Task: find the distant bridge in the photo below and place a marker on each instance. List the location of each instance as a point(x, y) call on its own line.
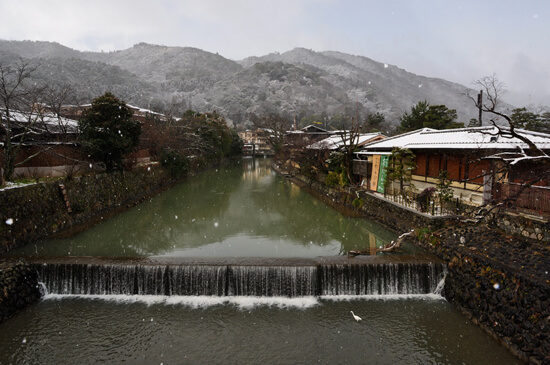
point(250, 149)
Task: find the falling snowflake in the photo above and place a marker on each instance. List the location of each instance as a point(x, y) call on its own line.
point(9, 221)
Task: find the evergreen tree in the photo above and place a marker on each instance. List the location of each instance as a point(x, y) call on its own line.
point(109, 132)
point(522, 118)
point(424, 115)
point(373, 123)
point(400, 167)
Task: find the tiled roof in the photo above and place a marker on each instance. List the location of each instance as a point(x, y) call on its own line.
point(333, 142)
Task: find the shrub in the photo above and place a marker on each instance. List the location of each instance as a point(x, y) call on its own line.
point(344, 180)
point(332, 179)
point(357, 203)
point(423, 199)
point(174, 162)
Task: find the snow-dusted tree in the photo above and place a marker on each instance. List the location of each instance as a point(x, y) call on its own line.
point(17, 115)
point(424, 115)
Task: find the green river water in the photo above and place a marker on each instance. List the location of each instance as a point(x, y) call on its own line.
point(243, 210)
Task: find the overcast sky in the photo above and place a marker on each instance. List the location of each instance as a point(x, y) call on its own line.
point(457, 40)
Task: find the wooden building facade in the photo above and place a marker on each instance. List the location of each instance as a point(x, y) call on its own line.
point(467, 156)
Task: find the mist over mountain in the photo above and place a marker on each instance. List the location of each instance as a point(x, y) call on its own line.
point(299, 82)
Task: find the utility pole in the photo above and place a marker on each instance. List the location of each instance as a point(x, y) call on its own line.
point(479, 105)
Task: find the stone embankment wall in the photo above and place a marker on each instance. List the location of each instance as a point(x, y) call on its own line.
point(41, 210)
point(501, 282)
point(394, 217)
point(19, 284)
point(533, 227)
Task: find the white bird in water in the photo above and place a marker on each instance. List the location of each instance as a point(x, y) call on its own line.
point(357, 318)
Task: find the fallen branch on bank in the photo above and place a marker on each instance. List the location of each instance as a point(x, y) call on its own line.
point(390, 247)
point(395, 245)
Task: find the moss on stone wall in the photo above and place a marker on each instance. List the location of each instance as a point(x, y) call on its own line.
point(38, 211)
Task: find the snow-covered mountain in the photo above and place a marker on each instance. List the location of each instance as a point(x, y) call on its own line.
point(298, 82)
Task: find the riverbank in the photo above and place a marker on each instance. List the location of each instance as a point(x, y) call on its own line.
point(501, 282)
point(392, 216)
point(56, 208)
point(37, 211)
point(498, 280)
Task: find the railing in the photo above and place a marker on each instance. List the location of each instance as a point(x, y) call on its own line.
point(432, 206)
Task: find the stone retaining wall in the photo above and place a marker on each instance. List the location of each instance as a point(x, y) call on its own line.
point(394, 217)
point(504, 293)
point(37, 211)
point(19, 284)
point(533, 227)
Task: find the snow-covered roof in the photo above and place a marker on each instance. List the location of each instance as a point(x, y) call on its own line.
point(310, 129)
point(144, 111)
point(463, 138)
point(337, 141)
point(45, 122)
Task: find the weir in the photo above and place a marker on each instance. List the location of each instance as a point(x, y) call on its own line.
point(327, 276)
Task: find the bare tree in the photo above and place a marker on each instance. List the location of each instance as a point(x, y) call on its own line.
point(54, 99)
point(350, 141)
point(275, 126)
point(17, 99)
point(493, 91)
point(533, 162)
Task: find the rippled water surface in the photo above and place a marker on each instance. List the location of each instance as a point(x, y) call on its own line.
point(214, 330)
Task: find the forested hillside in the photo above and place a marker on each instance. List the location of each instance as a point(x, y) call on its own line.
point(313, 86)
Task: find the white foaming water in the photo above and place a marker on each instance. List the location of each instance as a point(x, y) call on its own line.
point(384, 297)
point(199, 302)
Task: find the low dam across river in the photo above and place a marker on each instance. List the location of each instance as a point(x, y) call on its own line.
point(378, 275)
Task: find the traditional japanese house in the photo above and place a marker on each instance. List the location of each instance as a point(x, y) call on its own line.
point(342, 139)
point(471, 157)
point(306, 135)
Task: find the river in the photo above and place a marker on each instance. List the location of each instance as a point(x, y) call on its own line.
point(239, 212)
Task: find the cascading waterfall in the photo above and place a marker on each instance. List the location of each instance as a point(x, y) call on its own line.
point(242, 280)
point(380, 279)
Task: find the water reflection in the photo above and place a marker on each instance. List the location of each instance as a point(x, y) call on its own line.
point(240, 210)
